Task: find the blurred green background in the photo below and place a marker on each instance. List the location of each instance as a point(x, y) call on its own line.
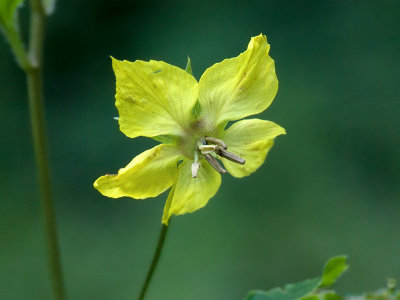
point(331, 186)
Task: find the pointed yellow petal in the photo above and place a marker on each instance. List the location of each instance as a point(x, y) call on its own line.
point(251, 140)
point(192, 193)
point(147, 175)
point(240, 86)
point(153, 98)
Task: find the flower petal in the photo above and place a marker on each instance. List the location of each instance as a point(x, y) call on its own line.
point(190, 193)
point(147, 175)
point(251, 140)
point(240, 86)
point(153, 98)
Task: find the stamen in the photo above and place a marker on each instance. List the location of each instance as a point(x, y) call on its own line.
point(214, 163)
point(216, 141)
point(205, 149)
point(230, 156)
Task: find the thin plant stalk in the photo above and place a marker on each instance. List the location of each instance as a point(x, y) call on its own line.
point(34, 78)
point(36, 107)
point(31, 63)
point(154, 262)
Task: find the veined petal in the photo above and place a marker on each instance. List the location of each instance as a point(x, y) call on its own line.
point(251, 140)
point(190, 193)
point(240, 86)
point(153, 98)
point(147, 175)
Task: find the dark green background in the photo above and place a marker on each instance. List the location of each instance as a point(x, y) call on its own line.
point(331, 186)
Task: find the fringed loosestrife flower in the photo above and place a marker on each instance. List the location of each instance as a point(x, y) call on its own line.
point(163, 102)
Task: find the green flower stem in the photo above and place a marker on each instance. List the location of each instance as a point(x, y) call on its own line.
point(36, 107)
point(154, 262)
point(39, 140)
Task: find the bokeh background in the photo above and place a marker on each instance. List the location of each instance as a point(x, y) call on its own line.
point(331, 186)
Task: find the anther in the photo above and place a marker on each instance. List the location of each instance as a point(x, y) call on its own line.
point(205, 149)
point(214, 163)
point(216, 141)
point(230, 156)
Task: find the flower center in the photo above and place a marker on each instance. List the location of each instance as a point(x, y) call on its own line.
point(211, 148)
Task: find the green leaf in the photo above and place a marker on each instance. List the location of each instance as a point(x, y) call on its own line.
point(334, 268)
point(306, 289)
point(189, 66)
point(391, 284)
point(323, 295)
point(300, 289)
point(312, 297)
point(8, 13)
point(332, 296)
point(290, 292)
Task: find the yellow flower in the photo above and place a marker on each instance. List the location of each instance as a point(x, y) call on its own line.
point(166, 103)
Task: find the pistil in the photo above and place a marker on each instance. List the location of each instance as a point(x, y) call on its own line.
point(195, 165)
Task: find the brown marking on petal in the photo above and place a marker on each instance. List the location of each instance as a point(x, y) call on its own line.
point(130, 99)
point(198, 124)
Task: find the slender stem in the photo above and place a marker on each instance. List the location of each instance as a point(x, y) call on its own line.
point(154, 262)
point(31, 63)
point(39, 141)
point(35, 95)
